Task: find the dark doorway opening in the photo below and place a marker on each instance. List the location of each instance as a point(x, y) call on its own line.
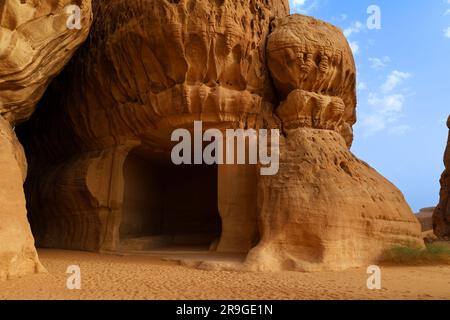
point(168, 206)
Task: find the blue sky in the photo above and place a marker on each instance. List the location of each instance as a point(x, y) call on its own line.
point(403, 87)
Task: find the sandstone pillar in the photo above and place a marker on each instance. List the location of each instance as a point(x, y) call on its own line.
point(17, 253)
point(237, 207)
point(441, 216)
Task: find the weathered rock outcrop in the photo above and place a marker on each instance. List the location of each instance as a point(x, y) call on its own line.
point(315, 76)
point(325, 208)
point(425, 217)
point(150, 67)
point(35, 44)
point(17, 253)
point(441, 216)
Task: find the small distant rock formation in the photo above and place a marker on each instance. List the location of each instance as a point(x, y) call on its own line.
point(425, 217)
point(35, 44)
point(441, 217)
point(98, 146)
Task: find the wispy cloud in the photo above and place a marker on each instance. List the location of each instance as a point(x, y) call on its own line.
point(303, 6)
point(447, 32)
point(354, 46)
point(355, 27)
point(379, 63)
point(386, 107)
point(393, 80)
point(360, 86)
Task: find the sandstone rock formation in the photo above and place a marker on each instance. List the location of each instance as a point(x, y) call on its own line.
point(100, 174)
point(325, 208)
point(441, 216)
point(148, 68)
point(425, 217)
point(314, 73)
point(35, 44)
point(17, 253)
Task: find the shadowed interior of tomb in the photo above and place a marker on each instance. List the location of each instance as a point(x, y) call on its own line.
point(166, 205)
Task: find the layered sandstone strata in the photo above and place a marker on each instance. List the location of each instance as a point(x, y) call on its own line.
point(441, 216)
point(150, 67)
point(35, 44)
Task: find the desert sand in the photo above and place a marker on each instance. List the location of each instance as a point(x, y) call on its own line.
point(150, 277)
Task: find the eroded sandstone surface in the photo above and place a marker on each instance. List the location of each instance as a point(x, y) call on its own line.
point(148, 68)
point(17, 253)
point(98, 146)
point(441, 216)
point(153, 66)
point(325, 208)
point(35, 44)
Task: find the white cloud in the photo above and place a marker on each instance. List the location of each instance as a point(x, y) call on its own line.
point(360, 86)
point(354, 46)
point(393, 80)
point(447, 12)
point(355, 27)
point(384, 115)
point(447, 33)
point(371, 124)
point(386, 107)
point(303, 6)
point(297, 3)
point(379, 63)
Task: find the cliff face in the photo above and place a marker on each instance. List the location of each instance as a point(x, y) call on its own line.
point(441, 216)
point(100, 175)
point(35, 44)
